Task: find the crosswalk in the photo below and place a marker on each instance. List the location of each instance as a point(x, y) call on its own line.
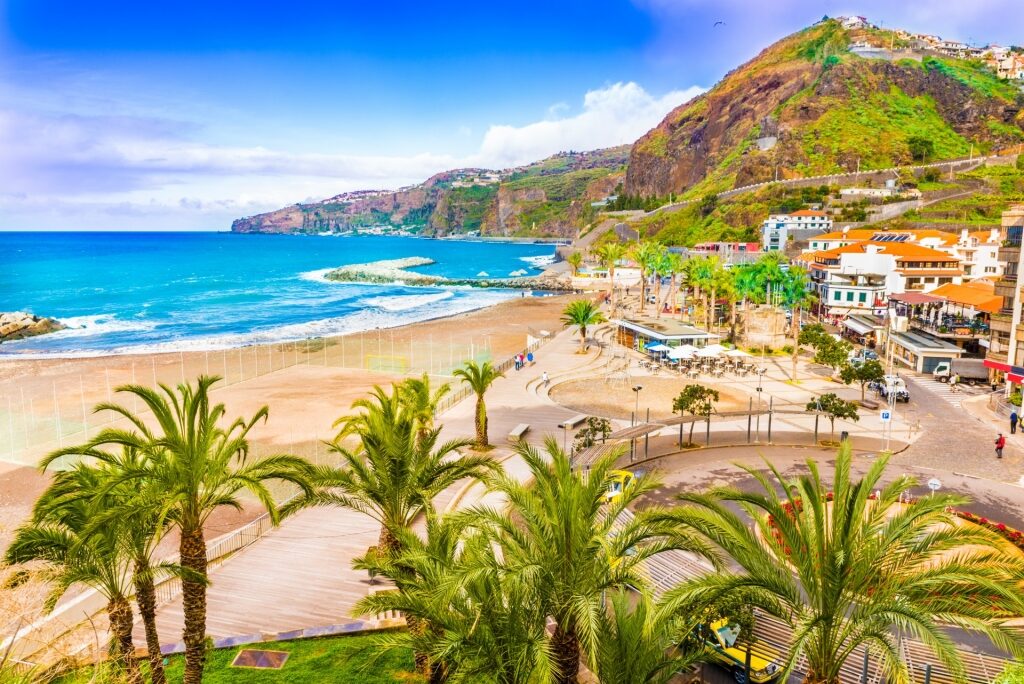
point(943, 390)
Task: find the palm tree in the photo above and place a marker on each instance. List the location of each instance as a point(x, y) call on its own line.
point(194, 466)
point(395, 473)
point(610, 254)
point(479, 377)
point(569, 543)
point(713, 279)
point(75, 551)
point(122, 507)
point(583, 313)
point(747, 288)
point(481, 623)
point(637, 641)
point(848, 568)
point(575, 260)
point(796, 296)
point(643, 253)
point(417, 398)
point(672, 266)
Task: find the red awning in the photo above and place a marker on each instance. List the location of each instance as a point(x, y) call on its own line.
point(915, 298)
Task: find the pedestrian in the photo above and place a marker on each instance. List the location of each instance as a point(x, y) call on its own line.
point(1013, 422)
point(954, 383)
point(1000, 444)
point(529, 357)
point(544, 378)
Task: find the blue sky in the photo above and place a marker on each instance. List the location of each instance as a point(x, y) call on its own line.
point(129, 115)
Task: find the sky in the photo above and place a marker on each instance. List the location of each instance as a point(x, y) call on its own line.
point(186, 115)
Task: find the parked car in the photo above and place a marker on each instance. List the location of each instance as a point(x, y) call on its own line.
point(725, 648)
point(892, 384)
point(859, 356)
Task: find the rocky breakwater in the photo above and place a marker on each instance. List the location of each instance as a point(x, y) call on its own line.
point(395, 272)
point(19, 325)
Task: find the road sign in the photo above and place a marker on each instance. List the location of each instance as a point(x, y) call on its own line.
point(935, 484)
point(886, 415)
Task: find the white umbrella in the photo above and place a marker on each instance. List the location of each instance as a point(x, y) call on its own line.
point(736, 353)
point(708, 352)
point(680, 353)
point(688, 347)
point(717, 348)
point(659, 348)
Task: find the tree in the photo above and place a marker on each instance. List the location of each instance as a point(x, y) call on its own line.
point(569, 544)
point(74, 551)
point(672, 266)
point(921, 149)
point(594, 430)
point(395, 472)
point(812, 335)
point(644, 254)
point(479, 377)
point(194, 465)
point(637, 641)
point(832, 352)
point(797, 297)
point(482, 623)
point(833, 407)
point(1020, 162)
point(575, 260)
point(862, 374)
point(697, 400)
point(848, 569)
point(582, 313)
point(416, 398)
point(708, 203)
point(610, 254)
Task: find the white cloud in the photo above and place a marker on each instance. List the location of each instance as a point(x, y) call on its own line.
point(100, 171)
point(614, 115)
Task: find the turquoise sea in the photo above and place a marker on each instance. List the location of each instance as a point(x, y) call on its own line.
point(144, 292)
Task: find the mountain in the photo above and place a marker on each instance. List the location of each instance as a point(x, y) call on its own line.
point(549, 197)
point(825, 100)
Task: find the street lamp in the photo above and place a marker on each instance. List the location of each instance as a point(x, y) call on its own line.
point(760, 376)
point(636, 405)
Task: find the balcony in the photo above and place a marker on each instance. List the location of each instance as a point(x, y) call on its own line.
point(953, 327)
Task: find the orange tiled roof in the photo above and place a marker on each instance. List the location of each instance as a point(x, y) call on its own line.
point(865, 235)
point(983, 236)
point(901, 250)
point(969, 296)
point(808, 212)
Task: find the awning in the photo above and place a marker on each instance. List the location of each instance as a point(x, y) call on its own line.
point(914, 298)
point(1013, 373)
point(858, 326)
point(658, 348)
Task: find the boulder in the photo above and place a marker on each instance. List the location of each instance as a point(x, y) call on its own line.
point(19, 324)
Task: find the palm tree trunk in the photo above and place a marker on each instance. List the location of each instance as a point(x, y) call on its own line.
point(611, 286)
point(481, 421)
point(122, 650)
point(682, 300)
point(712, 305)
point(643, 289)
point(566, 648)
point(732, 320)
point(145, 597)
point(193, 558)
point(657, 295)
point(796, 339)
point(583, 339)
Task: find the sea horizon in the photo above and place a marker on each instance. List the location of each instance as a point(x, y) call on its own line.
point(137, 292)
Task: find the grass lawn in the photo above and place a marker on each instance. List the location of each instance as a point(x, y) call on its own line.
point(349, 659)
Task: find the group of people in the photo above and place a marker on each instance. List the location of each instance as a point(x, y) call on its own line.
point(522, 359)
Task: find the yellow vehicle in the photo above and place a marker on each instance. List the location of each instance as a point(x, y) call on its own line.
point(619, 480)
point(724, 648)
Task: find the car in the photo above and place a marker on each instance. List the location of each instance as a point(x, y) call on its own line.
point(619, 480)
point(859, 356)
point(892, 384)
point(722, 639)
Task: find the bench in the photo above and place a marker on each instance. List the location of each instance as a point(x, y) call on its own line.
point(518, 431)
point(574, 421)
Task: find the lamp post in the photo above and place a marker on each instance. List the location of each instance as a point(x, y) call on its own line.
point(757, 433)
point(636, 404)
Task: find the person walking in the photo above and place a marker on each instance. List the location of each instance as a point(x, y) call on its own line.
point(1013, 422)
point(1000, 445)
point(954, 383)
point(544, 378)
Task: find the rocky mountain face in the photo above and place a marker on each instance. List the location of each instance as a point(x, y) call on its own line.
point(19, 325)
point(550, 197)
point(808, 106)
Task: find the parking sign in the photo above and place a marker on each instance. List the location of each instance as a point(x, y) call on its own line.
point(886, 415)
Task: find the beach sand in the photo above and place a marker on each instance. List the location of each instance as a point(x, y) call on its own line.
point(307, 386)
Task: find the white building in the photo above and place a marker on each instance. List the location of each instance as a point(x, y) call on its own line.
point(775, 230)
point(978, 252)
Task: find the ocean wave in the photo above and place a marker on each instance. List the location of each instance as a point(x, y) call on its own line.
point(317, 276)
point(405, 302)
point(539, 262)
point(99, 324)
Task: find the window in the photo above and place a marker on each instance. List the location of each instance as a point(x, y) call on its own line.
point(837, 296)
point(863, 298)
point(849, 296)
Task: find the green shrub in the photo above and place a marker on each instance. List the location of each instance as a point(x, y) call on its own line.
point(1013, 674)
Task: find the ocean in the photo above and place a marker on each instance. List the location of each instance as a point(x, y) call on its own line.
point(152, 292)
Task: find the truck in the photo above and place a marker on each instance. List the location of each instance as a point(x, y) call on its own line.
point(725, 648)
point(971, 371)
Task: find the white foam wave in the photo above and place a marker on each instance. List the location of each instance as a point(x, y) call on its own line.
point(405, 302)
point(98, 324)
point(539, 262)
point(317, 276)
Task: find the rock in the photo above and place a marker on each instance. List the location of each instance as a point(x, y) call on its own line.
point(19, 325)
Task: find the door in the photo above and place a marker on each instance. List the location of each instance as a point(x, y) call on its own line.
point(931, 362)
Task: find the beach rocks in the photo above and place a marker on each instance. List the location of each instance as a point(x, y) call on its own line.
point(392, 271)
point(18, 325)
